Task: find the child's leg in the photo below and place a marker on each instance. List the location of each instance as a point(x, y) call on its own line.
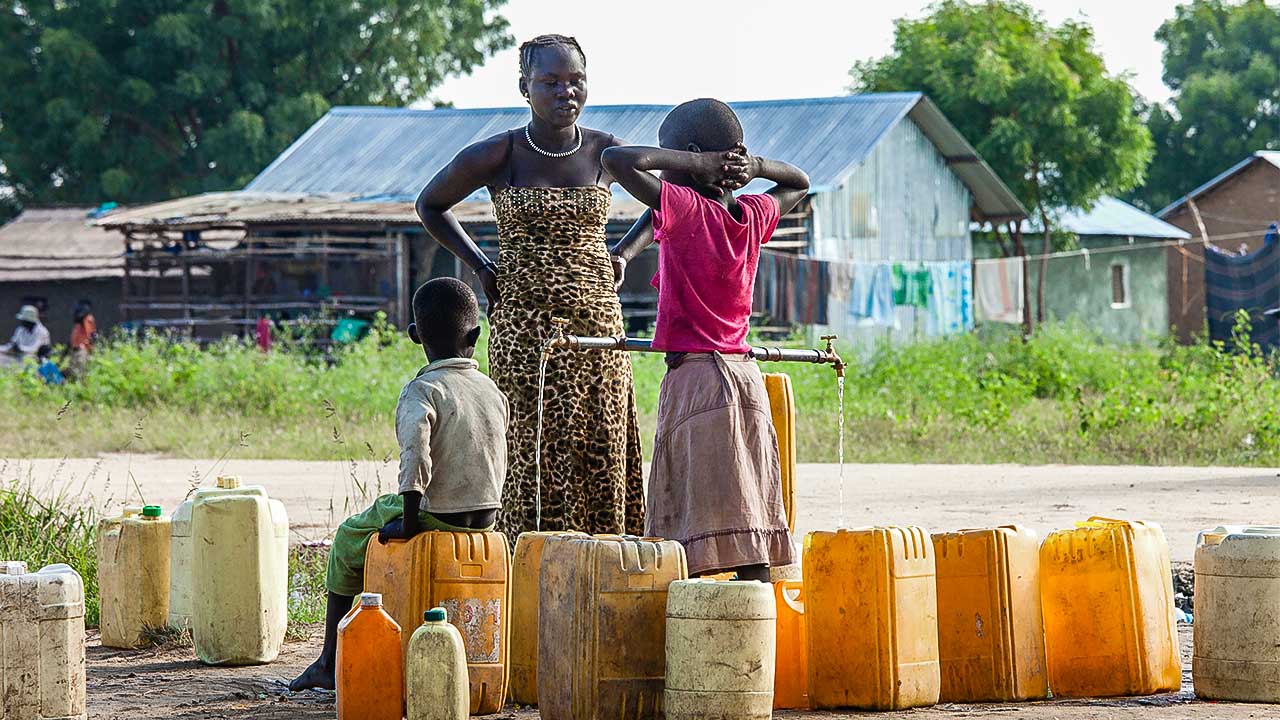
point(344, 579)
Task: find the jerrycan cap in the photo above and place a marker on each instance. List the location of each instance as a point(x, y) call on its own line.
point(13, 567)
point(151, 511)
point(228, 482)
point(436, 614)
point(370, 600)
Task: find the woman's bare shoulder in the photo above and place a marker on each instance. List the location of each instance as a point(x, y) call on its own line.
point(490, 152)
point(600, 138)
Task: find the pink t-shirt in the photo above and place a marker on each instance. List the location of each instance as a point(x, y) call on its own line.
point(707, 269)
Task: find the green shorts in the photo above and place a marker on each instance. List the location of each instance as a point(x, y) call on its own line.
point(345, 574)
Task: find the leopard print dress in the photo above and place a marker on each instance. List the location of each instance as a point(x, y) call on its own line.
point(553, 262)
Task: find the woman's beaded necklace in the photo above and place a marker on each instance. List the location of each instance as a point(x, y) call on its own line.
point(566, 153)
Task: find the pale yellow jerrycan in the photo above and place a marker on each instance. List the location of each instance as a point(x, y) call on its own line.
point(1106, 589)
point(41, 643)
point(720, 650)
point(133, 576)
point(181, 553)
point(437, 687)
point(1237, 615)
point(239, 575)
point(526, 573)
point(990, 627)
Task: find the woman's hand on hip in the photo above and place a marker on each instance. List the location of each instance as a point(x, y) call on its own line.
point(489, 283)
point(619, 270)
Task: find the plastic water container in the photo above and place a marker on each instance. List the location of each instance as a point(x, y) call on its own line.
point(871, 614)
point(1107, 593)
point(180, 552)
point(990, 629)
point(1237, 627)
point(467, 574)
point(370, 663)
point(239, 575)
point(791, 665)
point(526, 571)
point(782, 407)
point(602, 626)
point(133, 576)
point(436, 686)
point(41, 643)
point(720, 650)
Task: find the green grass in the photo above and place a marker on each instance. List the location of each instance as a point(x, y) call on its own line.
point(1065, 396)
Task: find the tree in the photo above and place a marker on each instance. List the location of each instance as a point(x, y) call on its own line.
point(1222, 60)
point(139, 100)
point(1036, 102)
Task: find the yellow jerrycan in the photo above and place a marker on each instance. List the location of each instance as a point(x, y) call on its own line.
point(133, 576)
point(526, 572)
point(1237, 618)
point(180, 550)
point(990, 628)
point(791, 668)
point(41, 643)
point(782, 406)
point(1107, 593)
point(871, 617)
point(602, 626)
point(466, 573)
point(720, 650)
point(239, 575)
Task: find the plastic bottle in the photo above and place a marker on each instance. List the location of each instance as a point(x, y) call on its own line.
point(1237, 622)
point(240, 575)
point(437, 687)
point(720, 650)
point(41, 643)
point(133, 576)
point(370, 664)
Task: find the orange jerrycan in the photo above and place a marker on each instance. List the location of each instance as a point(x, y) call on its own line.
point(782, 406)
point(791, 674)
point(370, 671)
point(467, 574)
point(990, 629)
point(871, 617)
point(1107, 593)
point(526, 570)
point(602, 626)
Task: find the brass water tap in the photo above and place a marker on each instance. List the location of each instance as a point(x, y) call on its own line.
point(836, 363)
point(558, 337)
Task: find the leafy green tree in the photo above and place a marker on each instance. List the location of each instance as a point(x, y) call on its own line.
point(138, 100)
point(1222, 60)
point(1036, 102)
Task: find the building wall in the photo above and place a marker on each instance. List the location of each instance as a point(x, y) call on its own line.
point(903, 203)
point(62, 296)
point(1245, 203)
point(1081, 290)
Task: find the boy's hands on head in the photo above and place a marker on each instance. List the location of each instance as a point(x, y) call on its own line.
point(727, 169)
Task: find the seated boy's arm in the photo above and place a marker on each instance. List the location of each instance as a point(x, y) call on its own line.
point(630, 165)
point(407, 525)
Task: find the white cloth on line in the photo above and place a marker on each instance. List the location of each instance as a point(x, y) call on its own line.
point(997, 289)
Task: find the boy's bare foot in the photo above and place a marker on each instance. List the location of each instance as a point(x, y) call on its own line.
point(318, 676)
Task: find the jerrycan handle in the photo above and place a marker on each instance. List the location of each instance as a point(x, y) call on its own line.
point(782, 589)
point(13, 567)
point(1222, 532)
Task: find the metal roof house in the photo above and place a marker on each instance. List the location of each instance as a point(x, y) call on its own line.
point(892, 179)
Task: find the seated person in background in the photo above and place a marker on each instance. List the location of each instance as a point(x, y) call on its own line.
point(451, 422)
point(30, 335)
point(716, 481)
point(46, 368)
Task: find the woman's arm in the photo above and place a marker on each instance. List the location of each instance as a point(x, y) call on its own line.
point(472, 169)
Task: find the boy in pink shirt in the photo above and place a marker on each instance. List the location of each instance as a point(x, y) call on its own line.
point(716, 481)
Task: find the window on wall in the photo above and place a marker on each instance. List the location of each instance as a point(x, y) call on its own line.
point(1120, 297)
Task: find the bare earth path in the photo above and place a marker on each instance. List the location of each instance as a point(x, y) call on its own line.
point(170, 684)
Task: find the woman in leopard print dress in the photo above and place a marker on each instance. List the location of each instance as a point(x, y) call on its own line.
point(551, 200)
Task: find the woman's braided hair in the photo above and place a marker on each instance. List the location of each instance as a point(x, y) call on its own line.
point(529, 47)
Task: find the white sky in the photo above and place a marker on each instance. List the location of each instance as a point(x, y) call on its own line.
point(667, 51)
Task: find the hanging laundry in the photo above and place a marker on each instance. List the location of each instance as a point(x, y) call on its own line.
point(950, 297)
point(998, 290)
point(793, 289)
point(1250, 282)
point(910, 284)
point(871, 296)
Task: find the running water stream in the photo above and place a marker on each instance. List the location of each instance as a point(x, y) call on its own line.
point(543, 357)
point(840, 449)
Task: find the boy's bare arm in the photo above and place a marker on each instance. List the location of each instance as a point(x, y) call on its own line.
point(791, 183)
point(630, 165)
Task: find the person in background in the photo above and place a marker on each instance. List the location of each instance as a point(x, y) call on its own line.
point(83, 333)
point(715, 484)
point(46, 368)
point(30, 335)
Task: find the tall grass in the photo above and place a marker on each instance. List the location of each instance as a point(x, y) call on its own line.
point(1066, 396)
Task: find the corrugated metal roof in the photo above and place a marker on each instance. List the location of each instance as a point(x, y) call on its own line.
point(58, 244)
point(1114, 217)
point(391, 153)
point(1270, 156)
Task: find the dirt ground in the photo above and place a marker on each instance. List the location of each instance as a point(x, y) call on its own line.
point(170, 684)
point(938, 497)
